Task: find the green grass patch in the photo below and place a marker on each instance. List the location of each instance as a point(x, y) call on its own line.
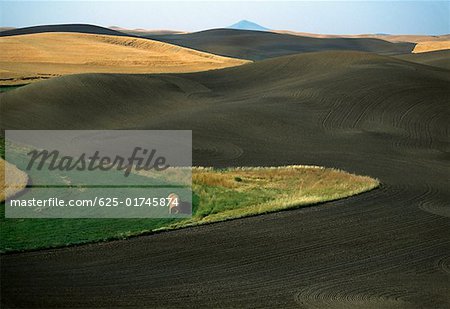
point(218, 195)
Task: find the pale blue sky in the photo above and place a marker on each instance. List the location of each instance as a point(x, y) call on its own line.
point(349, 17)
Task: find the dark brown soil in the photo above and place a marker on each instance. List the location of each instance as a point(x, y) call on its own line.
point(368, 114)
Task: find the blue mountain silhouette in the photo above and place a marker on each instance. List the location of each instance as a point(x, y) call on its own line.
point(247, 25)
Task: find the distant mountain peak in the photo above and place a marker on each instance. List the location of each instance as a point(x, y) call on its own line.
point(247, 25)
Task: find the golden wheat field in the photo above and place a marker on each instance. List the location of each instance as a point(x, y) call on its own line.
point(31, 57)
point(428, 46)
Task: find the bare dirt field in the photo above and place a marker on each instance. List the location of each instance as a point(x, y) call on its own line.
point(439, 59)
point(364, 113)
point(386, 37)
point(258, 45)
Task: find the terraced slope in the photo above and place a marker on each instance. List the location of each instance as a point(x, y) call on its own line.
point(364, 113)
point(31, 57)
point(258, 45)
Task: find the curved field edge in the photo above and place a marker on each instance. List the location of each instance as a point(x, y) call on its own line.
point(218, 195)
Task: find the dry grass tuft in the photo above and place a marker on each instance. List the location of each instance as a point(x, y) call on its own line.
point(19, 179)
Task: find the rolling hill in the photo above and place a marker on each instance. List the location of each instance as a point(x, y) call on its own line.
point(440, 59)
point(258, 45)
point(394, 38)
point(369, 114)
point(31, 57)
point(77, 28)
point(428, 46)
point(295, 80)
point(142, 32)
point(6, 28)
